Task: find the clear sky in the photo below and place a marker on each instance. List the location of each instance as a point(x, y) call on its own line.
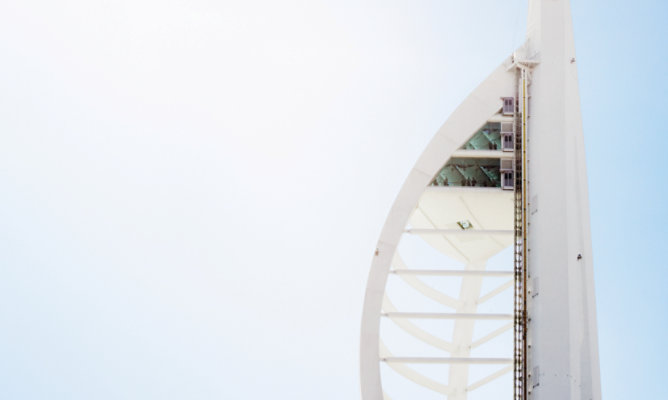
point(191, 191)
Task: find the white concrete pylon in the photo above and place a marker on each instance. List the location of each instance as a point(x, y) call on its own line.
point(562, 331)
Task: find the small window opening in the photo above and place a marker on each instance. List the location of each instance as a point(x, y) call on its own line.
point(508, 143)
point(508, 105)
point(507, 183)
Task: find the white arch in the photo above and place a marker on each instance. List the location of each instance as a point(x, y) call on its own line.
point(473, 113)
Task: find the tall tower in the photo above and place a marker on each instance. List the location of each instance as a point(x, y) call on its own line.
point(499, 195)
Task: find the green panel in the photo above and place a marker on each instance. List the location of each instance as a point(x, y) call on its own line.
point(487, 138)
point(480, 172)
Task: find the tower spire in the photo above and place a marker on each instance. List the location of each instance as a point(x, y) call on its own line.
point(563, 358)
point(549, 27)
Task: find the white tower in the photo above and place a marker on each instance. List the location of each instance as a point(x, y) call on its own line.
point(506, 171)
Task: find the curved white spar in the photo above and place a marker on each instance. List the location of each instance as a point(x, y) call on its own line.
point(481, 106)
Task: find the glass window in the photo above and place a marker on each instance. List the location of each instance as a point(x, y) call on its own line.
point(508, 105)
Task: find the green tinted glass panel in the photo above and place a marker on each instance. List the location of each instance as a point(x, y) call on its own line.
point(487, 138)
point(479, 172)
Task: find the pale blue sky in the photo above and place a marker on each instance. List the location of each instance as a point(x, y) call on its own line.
point(191, 191)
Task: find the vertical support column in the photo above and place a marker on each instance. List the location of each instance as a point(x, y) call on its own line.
point(462, 335)
point(563, 359)
point(520, 242)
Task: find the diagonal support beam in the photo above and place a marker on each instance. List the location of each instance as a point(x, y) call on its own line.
point(492, 335)
point(416, 377)
point(417, 332)
point(489, 379)
point(496, 291)
point(430, 292)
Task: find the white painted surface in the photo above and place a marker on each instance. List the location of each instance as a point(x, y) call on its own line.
point(562, 330)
